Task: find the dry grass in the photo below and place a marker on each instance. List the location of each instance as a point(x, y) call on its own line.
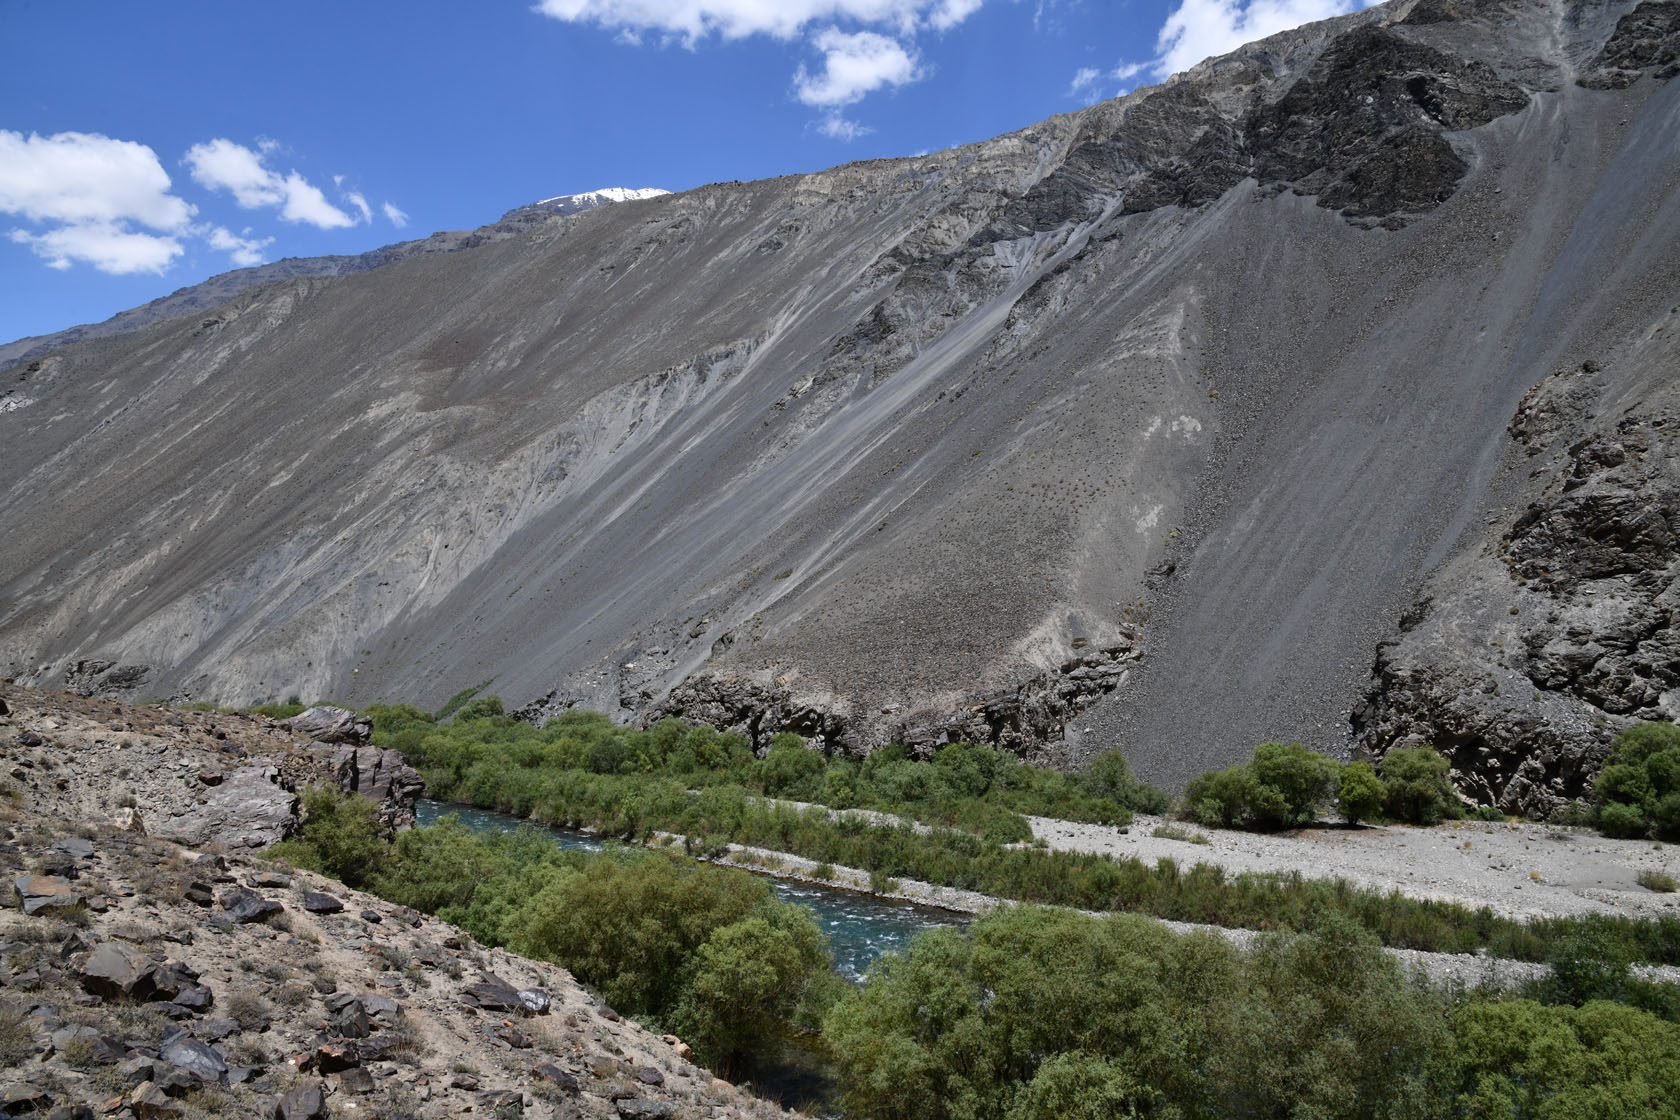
point(1657, 881)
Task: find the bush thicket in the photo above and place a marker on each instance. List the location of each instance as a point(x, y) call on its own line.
point(1418, 790)
point(1637, 793)
point(1286, 785)
point(1036, 1014)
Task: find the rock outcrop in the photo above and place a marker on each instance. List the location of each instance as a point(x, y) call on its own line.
point(181, 982)
point(1523, 660)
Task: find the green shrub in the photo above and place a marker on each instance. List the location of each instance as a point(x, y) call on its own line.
point(1657, 881)
point(1637, 793)
point(1109, 776)
point(1039, 1013)
point(1290, 782)
point(397, 717)
point(482, 707)
point(461, 697)
point(1623, 822)
point(791, 769)
point(746, 981)
point(339, 837)
point(1281, 786)
point(1359, 792)
point(1419, 791)
point(1218, 798)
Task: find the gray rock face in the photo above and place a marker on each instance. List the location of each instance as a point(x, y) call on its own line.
point(1523, 660)
point(384, 777)
point(327, 724)
point(246, 810)
point(1217, 374)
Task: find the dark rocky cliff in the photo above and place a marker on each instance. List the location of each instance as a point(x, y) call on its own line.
point(1155, 424)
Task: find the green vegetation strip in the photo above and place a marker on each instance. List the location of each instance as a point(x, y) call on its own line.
point(1033, 1013)
point(581, 770)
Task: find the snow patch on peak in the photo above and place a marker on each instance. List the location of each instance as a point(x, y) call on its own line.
point(605, 195)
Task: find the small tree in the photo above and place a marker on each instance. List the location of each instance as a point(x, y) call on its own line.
point(1419, 791)
point(1290, 782)
point(1359, 792)
point(746, 981)
point(1218, 798)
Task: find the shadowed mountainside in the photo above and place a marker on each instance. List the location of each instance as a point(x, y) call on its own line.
point(1150, 424)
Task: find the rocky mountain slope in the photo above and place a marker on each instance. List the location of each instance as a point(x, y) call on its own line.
point(1181, 422)
point(212, 293)
point(153, 966)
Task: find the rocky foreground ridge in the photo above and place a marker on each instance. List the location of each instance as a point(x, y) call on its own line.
point(152, 965)
point(1249, 406)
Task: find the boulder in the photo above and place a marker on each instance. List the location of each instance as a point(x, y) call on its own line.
point(49, 894)
point(325, 723)
point(492, 993)
point(249, 906)
point(306, 1102)
point(318, 903)
point(115, 970)
point(638, 1108)
point(248, 810)
point(557, 1077)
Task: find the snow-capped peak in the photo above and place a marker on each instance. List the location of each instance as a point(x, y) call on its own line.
point(588, 200)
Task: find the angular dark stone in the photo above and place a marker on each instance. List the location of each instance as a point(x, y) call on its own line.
point(196, 1057)
point(214, 1030)
point(372, 916)
point(306, 1102)
point(248, 906)
point(178, 1082)
point(199, 893)
point(327, 724)
point(115, 970)
point(357, 1080)
point(502, 1102)
point(492, 994)
point(638, 1108)
point(558, 1077)
point(195, 997)
point(334, 1057)
point(318, 903)
point(647, 1075)
point(535, 1001)
point(45, 893)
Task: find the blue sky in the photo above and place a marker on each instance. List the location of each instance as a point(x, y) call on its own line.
point(147, 146)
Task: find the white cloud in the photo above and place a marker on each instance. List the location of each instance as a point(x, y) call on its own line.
point(86, 177)
point(223, 165)
point(854, 64)
point(360, 203)
point(91, 188)
point(108, 246)
point(952, 12)
point(693, 20)
point(395, 216)
point(838, 127)
point(243, 251)
point(1083, 80)
point(1200, 29)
